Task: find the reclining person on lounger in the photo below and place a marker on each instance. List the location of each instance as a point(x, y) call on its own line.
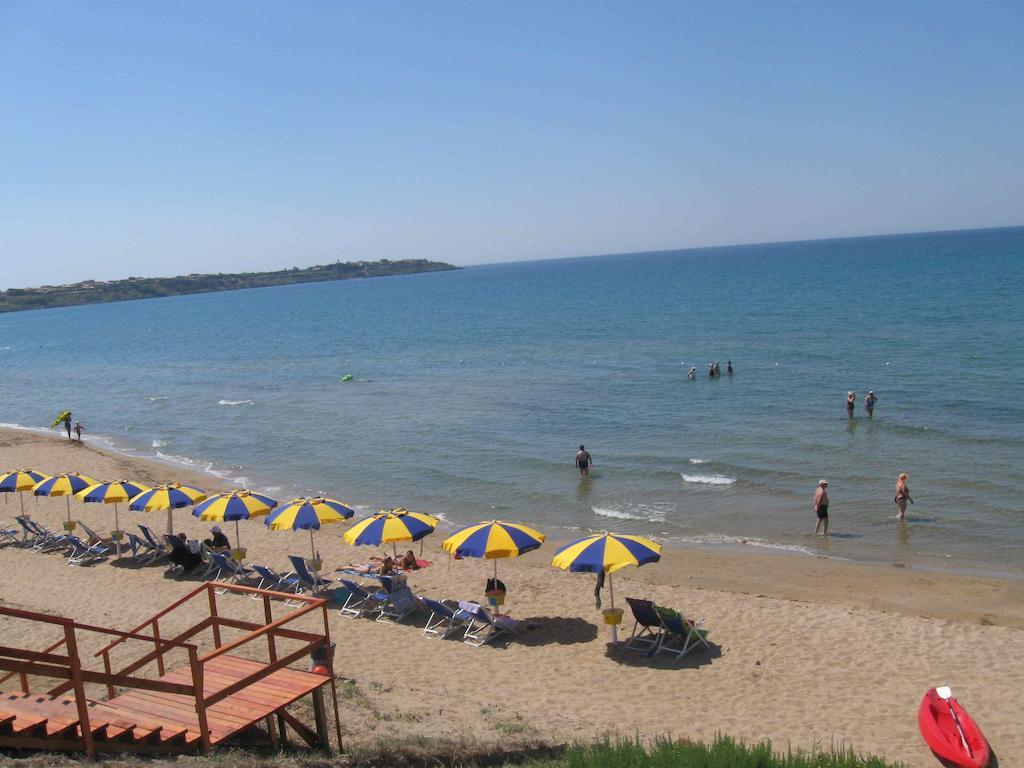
point(385, 567)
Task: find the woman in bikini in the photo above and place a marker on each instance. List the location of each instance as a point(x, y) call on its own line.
point(902, 494)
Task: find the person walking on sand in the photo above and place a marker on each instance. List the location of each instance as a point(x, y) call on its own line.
point(821, 507)
point(67, 423)
point(851, 403)
point(583, 461)
point(869, 403)
point(79, 429)
point(902, 494)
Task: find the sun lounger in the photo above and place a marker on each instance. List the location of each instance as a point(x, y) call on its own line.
point(445, 617)
point(680, 636)
point(485, 628)
point(647, 629)
point(274, 581)
point(400, 601)
point(154, 543)
point(313, 582)
point(39, 539)
point(359, 601)
point(142, 551)
point(94, 538)
point(80, 553)
point(8, 534)
point(228, 571)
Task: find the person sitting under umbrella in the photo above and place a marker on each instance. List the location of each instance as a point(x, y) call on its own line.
point(218, 542)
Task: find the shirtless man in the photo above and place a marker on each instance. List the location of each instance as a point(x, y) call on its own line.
point(67, 424)
point(869, 403)
point(821, 507)
point(583, 461)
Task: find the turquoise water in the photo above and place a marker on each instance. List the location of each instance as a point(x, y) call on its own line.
point(473, 388)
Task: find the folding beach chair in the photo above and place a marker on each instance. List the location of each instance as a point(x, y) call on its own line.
point(92, 537)
point(274, 581)
point(40, 539)
point(494, 626)
point(400, 602)
point(359, 601)
point(154, 543)
point(647, 629)
point(8, 535)
point(228, 571)
point(80, 553)
point(444, 619)
point(681, 635)
point(142, 551)
point(313, 582)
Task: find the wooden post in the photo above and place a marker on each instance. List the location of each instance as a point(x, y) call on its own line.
point(80, 701)
point(334, 686)
point(24, 681)
point(159, 648)
point(213, 614)
point(268, 614)
point(200, 697)
point(275, 744)
point(321, 719)
point(106, 668)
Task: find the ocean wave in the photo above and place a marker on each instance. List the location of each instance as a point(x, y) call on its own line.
point(236, 402)
point(154, 398)
point(698, 461)
point(617, 514)
point(708, 479)
point(185, 461)
point(721, 539)
point(158, 444)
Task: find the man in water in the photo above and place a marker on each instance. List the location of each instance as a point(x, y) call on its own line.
point(583, 461)
point(869, 403)
point(692, 374)
point(67, 423)
point(728, 367)
point(851, 403)
point(821, 507)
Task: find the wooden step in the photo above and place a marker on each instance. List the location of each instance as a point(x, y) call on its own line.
point(61, 717)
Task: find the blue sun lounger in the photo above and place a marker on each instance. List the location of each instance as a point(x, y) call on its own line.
point(359, 601)
point(80, 553)
point(444, 619)
point(8, 534)
point(680, 636)
point(400, 601)
point(485, 628)
point(314, 583)
point(647, 629)
point(274, 581)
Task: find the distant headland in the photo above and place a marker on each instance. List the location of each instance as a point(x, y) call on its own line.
point(99, 291)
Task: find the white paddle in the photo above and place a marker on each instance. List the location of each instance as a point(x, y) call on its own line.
point(946, 694)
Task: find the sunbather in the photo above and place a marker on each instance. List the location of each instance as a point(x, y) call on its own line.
point(385, 567)
point(408, 562)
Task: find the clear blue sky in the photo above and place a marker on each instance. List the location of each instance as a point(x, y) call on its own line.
point(157, 138)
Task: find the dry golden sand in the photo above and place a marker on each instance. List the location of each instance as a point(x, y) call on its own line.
point(806, 652)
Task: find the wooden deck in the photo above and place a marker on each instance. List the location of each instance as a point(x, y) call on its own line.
point(189, 708)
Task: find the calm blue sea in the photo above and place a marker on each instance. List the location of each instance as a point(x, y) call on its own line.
point(473, 389)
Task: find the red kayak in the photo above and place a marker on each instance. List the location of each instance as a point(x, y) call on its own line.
point(939, 728)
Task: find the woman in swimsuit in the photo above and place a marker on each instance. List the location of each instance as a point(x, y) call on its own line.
point(851, 403)
point(902, 494)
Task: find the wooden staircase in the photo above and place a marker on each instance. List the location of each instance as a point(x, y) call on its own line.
point(191, 708)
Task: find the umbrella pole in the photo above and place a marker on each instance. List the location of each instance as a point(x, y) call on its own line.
point(21, 498)
point(238, 538)
point(170, 523)
point(117, 527)
point(67, 500)
point(611, 597)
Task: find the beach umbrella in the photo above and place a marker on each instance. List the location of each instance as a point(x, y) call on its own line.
point(235, 505)
point(112, 492)
point(391, 526)
point(308, 514)
point(492, 540)
point(607, 553)
point(166, 497)
point(20, 480)
point(66, 484)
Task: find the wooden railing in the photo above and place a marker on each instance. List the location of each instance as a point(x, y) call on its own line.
point(23, 662)
point(67, 667)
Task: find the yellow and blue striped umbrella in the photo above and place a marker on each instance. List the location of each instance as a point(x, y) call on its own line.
point(492, 540)
point(66, 484)
point(308, 514)
point(169, 497)
point(391, 526)
point(111, 492)
point(20, 480)
point(606, 552)
point(235, 505)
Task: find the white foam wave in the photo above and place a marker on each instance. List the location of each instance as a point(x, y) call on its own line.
point(722, 539)
point(236, 402)
point(157, 397)
point(708, 479)
point(185, 461)
point(158, 443)
point(698, 461)
point(616, 513)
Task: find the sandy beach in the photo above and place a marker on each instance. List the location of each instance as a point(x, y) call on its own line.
point(805, 651)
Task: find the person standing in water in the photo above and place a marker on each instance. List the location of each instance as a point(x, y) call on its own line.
point(583, 461)
point(718, 370)
point(851, 403)
point(67, 423)
point(728, 367)
point(821, 507)
point(869, 403)
point(692, 375)
point(902, 494)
